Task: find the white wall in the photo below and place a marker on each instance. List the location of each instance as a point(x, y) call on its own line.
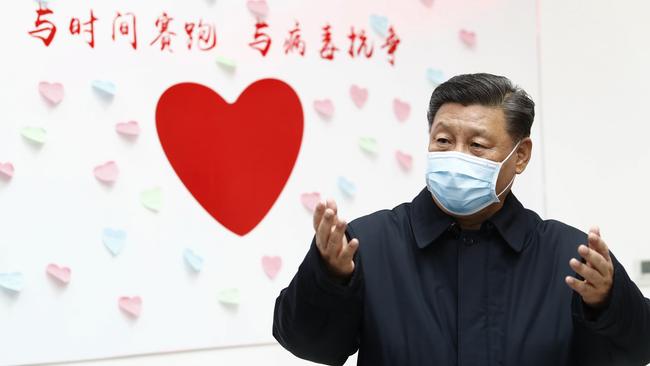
point(594, 93)
point(595, 88)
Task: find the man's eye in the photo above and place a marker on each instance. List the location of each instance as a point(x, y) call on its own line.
point(442, 140)
point(477, 145)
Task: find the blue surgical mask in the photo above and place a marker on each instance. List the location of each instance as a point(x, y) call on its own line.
point(464, 184)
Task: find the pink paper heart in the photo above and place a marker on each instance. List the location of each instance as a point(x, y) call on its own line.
point(310, 200)
point(7, 169)
point(402, 110)
point(405, 160)
point(52, 92)
point(131, 305)
point(60, 273)
point(359, 95)
point(129, 129)
point(427, 3)
point(468, 38)
point(107, 172)
point(271, 266)
point(325, 107)
point(258, 7)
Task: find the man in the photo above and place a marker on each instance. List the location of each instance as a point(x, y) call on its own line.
point(464, 274)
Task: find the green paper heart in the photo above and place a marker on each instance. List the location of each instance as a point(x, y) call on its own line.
point(368, 144)
point(229, 296)
point(34, 134)
point(226, 62)
point(152, 199)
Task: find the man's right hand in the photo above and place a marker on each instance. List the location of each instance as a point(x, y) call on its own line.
point(332, 244)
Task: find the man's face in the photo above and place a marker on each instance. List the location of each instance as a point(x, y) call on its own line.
point(480, 131)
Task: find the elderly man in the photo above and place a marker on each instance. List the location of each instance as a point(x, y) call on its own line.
point(464, 274)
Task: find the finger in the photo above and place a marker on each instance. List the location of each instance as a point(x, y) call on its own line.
point(332, 204)
point(591, 275)
point(318, 214)
point(325, 228)
point(595, 229)
point(597, 243)
point(336, 239)
point(347, 254)
point(581, 287)
point(594, 258)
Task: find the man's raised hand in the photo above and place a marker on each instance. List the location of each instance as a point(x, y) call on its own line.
point(332, 244)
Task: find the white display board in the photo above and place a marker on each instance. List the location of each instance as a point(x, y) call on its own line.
point(55, 210)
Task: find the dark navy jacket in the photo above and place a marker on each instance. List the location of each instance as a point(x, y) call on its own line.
point(425, 292)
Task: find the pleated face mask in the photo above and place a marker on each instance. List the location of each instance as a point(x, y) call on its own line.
point(464, 184)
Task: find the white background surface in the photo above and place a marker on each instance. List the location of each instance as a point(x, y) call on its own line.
point(54, 210)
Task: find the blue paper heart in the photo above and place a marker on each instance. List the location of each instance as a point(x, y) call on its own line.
point(193, 260)
point(347, 187)
point(106, 87)
point(379, 24)
point(114, 240)
point(435, 76)
point(12, 281)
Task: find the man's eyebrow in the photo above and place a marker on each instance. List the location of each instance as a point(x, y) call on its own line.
point(477, 130)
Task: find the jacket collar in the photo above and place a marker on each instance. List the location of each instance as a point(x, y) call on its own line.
point(428, 221)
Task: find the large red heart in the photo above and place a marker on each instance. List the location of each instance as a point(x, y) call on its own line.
point(236, 158)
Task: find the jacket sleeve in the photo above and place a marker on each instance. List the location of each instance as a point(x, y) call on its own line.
point(317, 318)
point(619, 334)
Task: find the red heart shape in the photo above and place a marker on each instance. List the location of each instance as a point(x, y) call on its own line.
point(236, 158)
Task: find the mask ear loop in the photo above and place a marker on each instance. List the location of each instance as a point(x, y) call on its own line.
point(504, 160)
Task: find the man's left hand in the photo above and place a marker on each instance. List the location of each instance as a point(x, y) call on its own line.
point(598, 271)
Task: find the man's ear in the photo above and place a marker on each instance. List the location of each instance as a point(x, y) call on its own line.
point(523, 153)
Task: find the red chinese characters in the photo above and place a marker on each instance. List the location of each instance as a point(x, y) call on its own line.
point(262, 41)
point(164, 33)
point(328, 49)
point(363, 48)
point(202, 35)
point(294, 42)
point(45, 30)
point(124, 25)
point(207, 35)
point(391, 43)
point(88, 27)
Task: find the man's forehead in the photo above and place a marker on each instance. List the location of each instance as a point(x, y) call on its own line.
point(474, 116)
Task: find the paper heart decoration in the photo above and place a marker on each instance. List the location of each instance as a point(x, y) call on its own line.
point(259, 8)
point(152, 199)
point(114, 240)
point(107, 173)
point(358, 95)
point(347, 187)
point(324, 107)
point(404, 160)
point(13, 281)
point(310, 200)
point(402, 110)
point(229, 296)
point(427, 3)
point(227, 63)
point(271, 266)
point(436, 77)
point(131, 305)
point(128, 129)
point(105, 87)
point(193, 260)
point(61, 274)
point(235, 159)
point(467, 37)
point(52, 92)
point(7, 170)
point(369, 145)
point(36, 135)
point(379, 24)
